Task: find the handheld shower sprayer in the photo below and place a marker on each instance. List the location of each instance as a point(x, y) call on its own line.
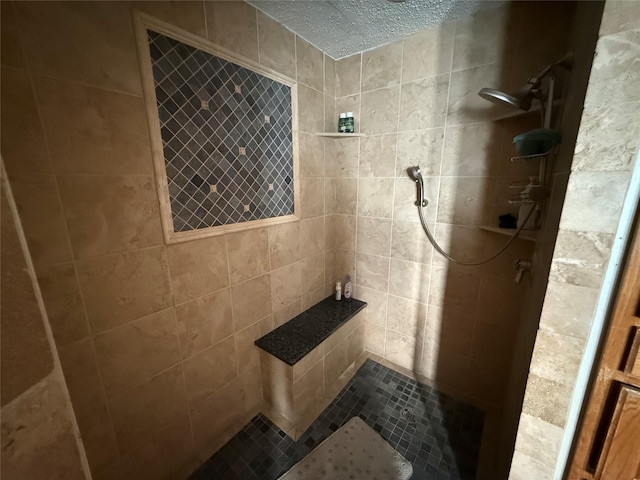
point(416, 176)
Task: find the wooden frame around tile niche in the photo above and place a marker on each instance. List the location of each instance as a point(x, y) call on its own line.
point(142, 22)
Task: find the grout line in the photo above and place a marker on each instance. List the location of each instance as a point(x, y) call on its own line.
point(206, 23)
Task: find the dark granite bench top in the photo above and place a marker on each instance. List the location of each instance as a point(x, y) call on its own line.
point(293, 340)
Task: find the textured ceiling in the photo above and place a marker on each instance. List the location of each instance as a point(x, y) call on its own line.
point(343, 27)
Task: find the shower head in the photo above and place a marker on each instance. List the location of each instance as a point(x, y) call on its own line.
point(414, 173)
point(521, 99)
point(416, 176)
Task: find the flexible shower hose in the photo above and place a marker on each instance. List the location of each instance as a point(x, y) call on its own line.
point(468, 264)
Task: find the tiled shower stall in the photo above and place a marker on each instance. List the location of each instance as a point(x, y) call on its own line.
point(154, 340)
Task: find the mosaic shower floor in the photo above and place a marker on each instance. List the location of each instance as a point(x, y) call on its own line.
point(439, 435)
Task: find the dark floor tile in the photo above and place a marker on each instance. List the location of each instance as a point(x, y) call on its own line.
point(439, 435)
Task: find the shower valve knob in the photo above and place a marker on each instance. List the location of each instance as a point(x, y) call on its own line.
point(521, 267)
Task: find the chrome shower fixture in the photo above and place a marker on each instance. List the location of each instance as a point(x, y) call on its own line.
point(532, 89)
point(416, 176)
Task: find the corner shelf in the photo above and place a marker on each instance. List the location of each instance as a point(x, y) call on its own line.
point(528, 235)
point(339, 135)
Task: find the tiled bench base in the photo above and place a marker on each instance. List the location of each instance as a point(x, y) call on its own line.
point(295, 395)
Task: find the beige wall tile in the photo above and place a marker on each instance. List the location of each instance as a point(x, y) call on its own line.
point(209, 370)
point(378, 156)
point(568, 309)
point(422, 148)
point(348, 75)
point(287, 313)
point(402, 350)
point(248, 254)
point(170, 450)
point(404, 207)
point(619, 16)
point(99, 225)
point(613, 79)
point(374, 339)
point(338, 264)
point(306, 363)
point(492, 345)
point(42, 218)
point(314, 297)
point(251, 301)
point(593, 201)
point(23, 145)
point(80, 369)
point(277, 46)
point(381, 66)
point(524, 467)
point(608, 138)
point(450, 328)
point(409, 280)
point(142, 412)
point(465, 105)
point(284, 244)
point(61, 295)
point(310, 109)
point(311, 155)
point(343, 161)
point(310, 67)
point(485, 37)
point(374, 236)
point(90, 130)
point(409, 242)
point(465, 201)
point(341, 195)
point(556, 357)
point(375, 197)
point(311, 273)
point(580, 258)
point(454, 288)
point(406, 316)
point(98, 438)
point(311, 236)
point(376, 311)
point(329, 76)
point(204, 321)
point(547, 400)
point(187, 15)
point(285, 286)
point(132, 353)
point(100, 50)
point(249, 361)
point(380, 111)
point(472, 150)
point(335, 363)
point(538, 439)
point(500, 301)
point(311, 197)
point(36, 422)
point(466, 244)
point(308, 389)
point(428, 52)
point(120, 288)
point(11, 48)
point(217, 413)
point(233, 25)
point(330, 117)
point(372, 271)
point(25, 351)
point(423, 103)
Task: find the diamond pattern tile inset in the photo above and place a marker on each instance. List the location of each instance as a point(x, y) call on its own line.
point(226, 136)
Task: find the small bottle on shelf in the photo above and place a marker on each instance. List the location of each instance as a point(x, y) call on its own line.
point(350, 123)
point(338, 291)
point(342, 123)
point(347, 289)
